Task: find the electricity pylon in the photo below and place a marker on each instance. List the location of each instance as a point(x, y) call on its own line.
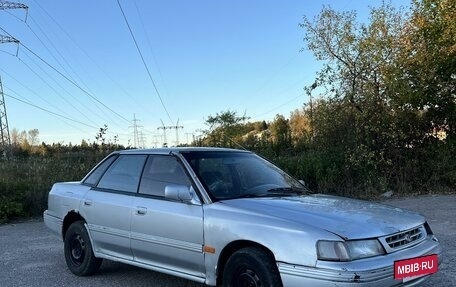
point(8, 39)
point(177, 127)
point(12, 5)
point(5, 139)
point(165, 143)
point(164, 128)
point(136, 139)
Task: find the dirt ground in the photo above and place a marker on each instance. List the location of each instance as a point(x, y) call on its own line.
point(32, 256)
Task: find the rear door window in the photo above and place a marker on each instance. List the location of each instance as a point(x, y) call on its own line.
point(123, 174)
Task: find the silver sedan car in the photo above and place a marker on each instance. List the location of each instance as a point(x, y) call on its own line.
point(229, 217)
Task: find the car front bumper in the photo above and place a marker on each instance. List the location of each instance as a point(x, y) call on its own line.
point(369, 272)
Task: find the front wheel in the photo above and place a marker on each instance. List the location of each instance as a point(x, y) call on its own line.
point(251, 267)
point(78, 251)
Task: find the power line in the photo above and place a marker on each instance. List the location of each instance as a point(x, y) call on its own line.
point(55, 91)
point(27, 102)
point(144, 62)
point(57, 117)
point(75, 84)
point(32, 91)
point(275, 74)
point(150, 46)
point(5, 139)
point(9, 39)
point(38, 95)
point(59, 85)
point(12, 5)
point(91, 59)
point(69, 80)
point(67, 64)
point(50, 112)
point(279, 106)
point(45, 46)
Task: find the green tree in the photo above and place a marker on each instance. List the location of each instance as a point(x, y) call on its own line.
point(32, 137)
point(300, 127)
point(101, 135)
point(390, 90)
point(354, 54)
point(355, 119)
point(225, 129)
point(280, 133)
point(422, 81)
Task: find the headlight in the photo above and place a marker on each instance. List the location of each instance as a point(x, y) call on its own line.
point(348, 250)
point(332, 251)
point(364, 248)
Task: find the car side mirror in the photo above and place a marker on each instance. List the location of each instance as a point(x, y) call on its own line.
point(179, 192)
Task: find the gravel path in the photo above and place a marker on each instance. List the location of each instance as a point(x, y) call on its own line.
point(440, 211)
point(32, 256)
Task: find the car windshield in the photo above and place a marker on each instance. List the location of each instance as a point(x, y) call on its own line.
point(230, 175)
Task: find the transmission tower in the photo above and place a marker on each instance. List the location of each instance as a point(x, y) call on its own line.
point(8, 39)
point(5, 140)
point(12, 5)
point(155, 142)
point(165, 142)
point(177, 127)
point(142, 140)
point(164, 128)
point(136, 138)
point(190, 134)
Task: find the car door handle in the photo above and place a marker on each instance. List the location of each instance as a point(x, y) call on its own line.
point(87, 202)
point(141, 210)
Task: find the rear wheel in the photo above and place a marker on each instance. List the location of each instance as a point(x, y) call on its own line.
point(251, 267)
point(78, 251)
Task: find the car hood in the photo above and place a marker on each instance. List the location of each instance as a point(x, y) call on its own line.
point(348, 218)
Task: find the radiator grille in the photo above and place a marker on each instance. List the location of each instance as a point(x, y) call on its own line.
point(406, 238)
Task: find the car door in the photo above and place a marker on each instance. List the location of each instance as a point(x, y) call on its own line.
point(164, 233)
point(107, 206)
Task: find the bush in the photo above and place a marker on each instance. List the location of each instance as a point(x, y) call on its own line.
point(26, 180)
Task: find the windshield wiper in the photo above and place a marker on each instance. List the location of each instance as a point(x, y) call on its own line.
point(286, 190)
point(247, 195)
point(253, 195)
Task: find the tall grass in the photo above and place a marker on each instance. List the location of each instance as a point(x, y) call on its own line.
point(25, 182)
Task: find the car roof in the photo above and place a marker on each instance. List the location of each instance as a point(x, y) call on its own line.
point(178, 150)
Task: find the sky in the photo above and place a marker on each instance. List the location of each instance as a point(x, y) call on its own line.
point(78, 67)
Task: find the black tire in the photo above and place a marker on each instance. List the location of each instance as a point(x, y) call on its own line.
point(251, 266)
point(78, 251)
